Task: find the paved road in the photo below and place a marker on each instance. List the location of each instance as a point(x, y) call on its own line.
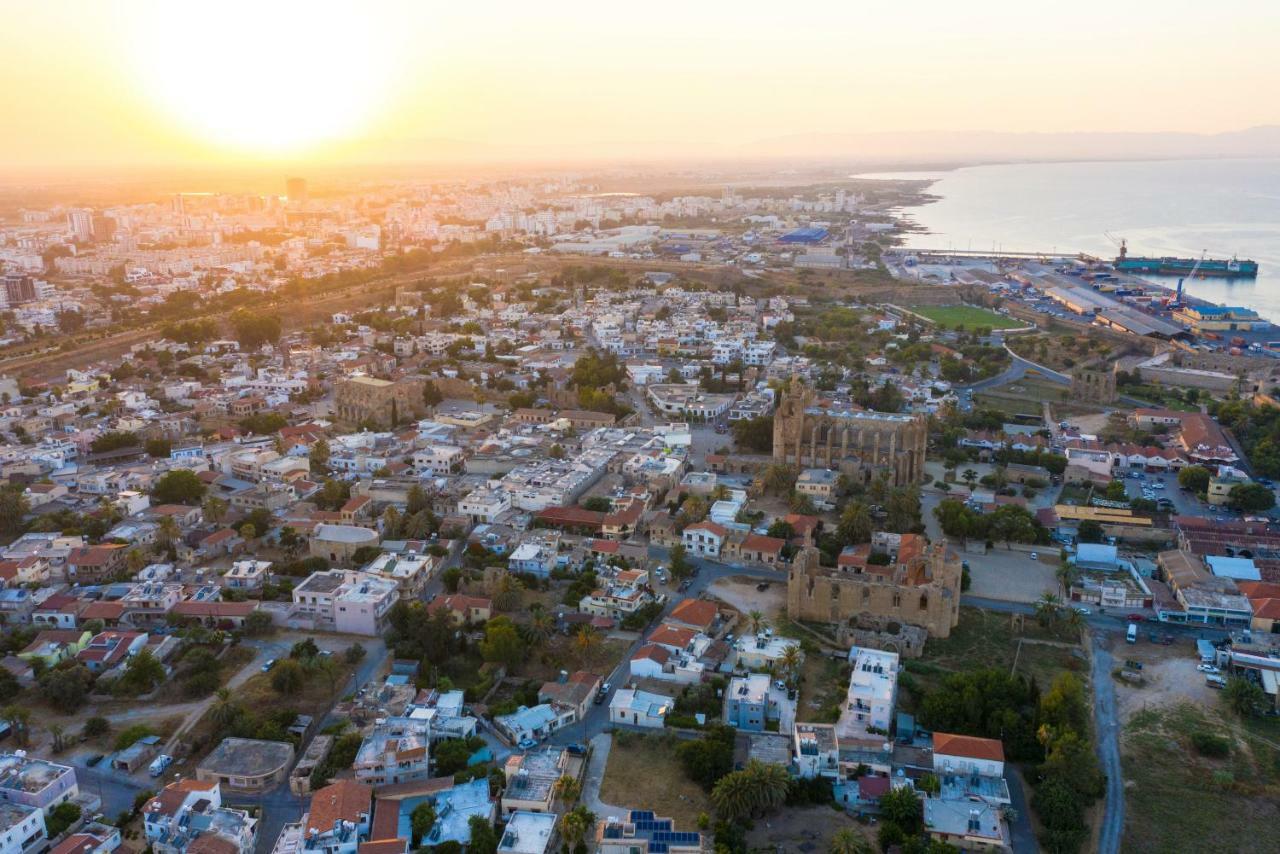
point(1018, 369)
point(1107, 723)
point(1022, 834)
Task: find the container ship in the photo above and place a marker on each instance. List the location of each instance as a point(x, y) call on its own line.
point(1232, 269)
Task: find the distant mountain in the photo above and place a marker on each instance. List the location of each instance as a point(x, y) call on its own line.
point(947, 146)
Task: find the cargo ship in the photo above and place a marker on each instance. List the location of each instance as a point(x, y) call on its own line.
point(1232, 269)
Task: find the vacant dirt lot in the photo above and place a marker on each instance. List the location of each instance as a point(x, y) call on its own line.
point(1169, 678)
point(644, 774)
point(740, 592)
point(806, 829)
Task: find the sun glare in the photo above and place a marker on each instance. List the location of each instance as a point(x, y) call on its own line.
point(266, 77)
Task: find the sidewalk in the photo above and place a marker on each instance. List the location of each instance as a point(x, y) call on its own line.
point(594, 778)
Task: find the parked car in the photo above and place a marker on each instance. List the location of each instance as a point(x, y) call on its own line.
point(1084, 612)
point(1035, 555)
point(1215, 681)
point(1135, 618)
point(94, 760)
point(527, 744)
point(1207, 668)
point(159, 764)
point(270, 663)
point(576, 749)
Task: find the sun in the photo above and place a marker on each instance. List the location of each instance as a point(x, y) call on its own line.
point(265, 77)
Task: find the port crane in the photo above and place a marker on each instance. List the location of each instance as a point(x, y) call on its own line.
point(1177, 300)
point(1119, 242)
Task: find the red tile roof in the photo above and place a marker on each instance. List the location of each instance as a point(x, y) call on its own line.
point(969, 746)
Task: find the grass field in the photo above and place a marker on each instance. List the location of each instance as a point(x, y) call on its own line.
point(643, 773)
point(1177, 800)
point(951, 316)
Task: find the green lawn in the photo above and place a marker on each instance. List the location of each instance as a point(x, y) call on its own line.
point(951, 316)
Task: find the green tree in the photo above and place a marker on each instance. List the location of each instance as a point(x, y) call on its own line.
point(902, 807)
point(502, 643)
point(67, 688)
point(19, 720)
point(577, 823)
point(254, 329)
point(484, 840)
point(258, 623)
point(856, 524)
point(142, 674)
point(215, 510)
point(1195, 478)
point(1243, 697)
point(1250, 498)
point(754, 434)
point(680, 565)
point(180, 486)
point(288, 677)
point(225, 708)
point(319, 456)
point(756, 789)
point(13, 510)
point(421, 820)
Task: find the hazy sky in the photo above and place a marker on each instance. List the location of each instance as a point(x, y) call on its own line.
point(229, 81)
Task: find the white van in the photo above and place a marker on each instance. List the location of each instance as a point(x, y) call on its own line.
point(1132, 635)
point(160, 763)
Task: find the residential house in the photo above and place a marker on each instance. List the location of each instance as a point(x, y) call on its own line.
point(633, 707)
point(704, 539)
point(747, 705)
point(462, 608)
point(188, 816)
point(33, 782)
point(575, 692)
point(394, 751)
point(96, 564)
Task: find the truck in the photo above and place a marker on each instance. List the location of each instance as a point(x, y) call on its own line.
point(1131, 636)
point(1237, 341)
point(160, 763)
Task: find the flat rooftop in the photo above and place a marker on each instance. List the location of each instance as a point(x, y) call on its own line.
point(247, 757)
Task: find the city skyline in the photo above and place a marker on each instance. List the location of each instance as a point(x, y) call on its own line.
point(152, 84)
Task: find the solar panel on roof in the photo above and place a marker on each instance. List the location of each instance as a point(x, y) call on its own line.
point(641, 815)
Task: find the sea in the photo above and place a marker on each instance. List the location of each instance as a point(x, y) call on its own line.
point(1167, 207)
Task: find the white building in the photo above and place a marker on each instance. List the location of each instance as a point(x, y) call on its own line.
point(873, 691)
point(634, 707)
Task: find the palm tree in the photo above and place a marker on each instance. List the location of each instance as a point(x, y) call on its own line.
point(568, 789)
point(791, 660)
point(539, 627)
point(576, 823)
point(509, 593)
point(56, 731)
point(215, 509)
point(1075, 620)
point(225, 708)
point(733, 796)
point(758, 622)
point(849, 842)
point(19, 719)
point(772, 783)
point(1066, 575)
point(585, 643)
point(167, 531)
point(969, 476)
point(1047, 608)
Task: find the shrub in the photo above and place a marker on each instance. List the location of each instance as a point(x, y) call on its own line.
point(128, 736)
point(1208, 744)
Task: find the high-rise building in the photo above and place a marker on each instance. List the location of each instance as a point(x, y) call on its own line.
point(104, 228)
point(80, 224)
point(18, 289)
point(296, 189)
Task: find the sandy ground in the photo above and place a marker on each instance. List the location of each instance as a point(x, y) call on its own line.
point(807, 829)
point(1088, 423)
point(740, 592)
point(1169, 674)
